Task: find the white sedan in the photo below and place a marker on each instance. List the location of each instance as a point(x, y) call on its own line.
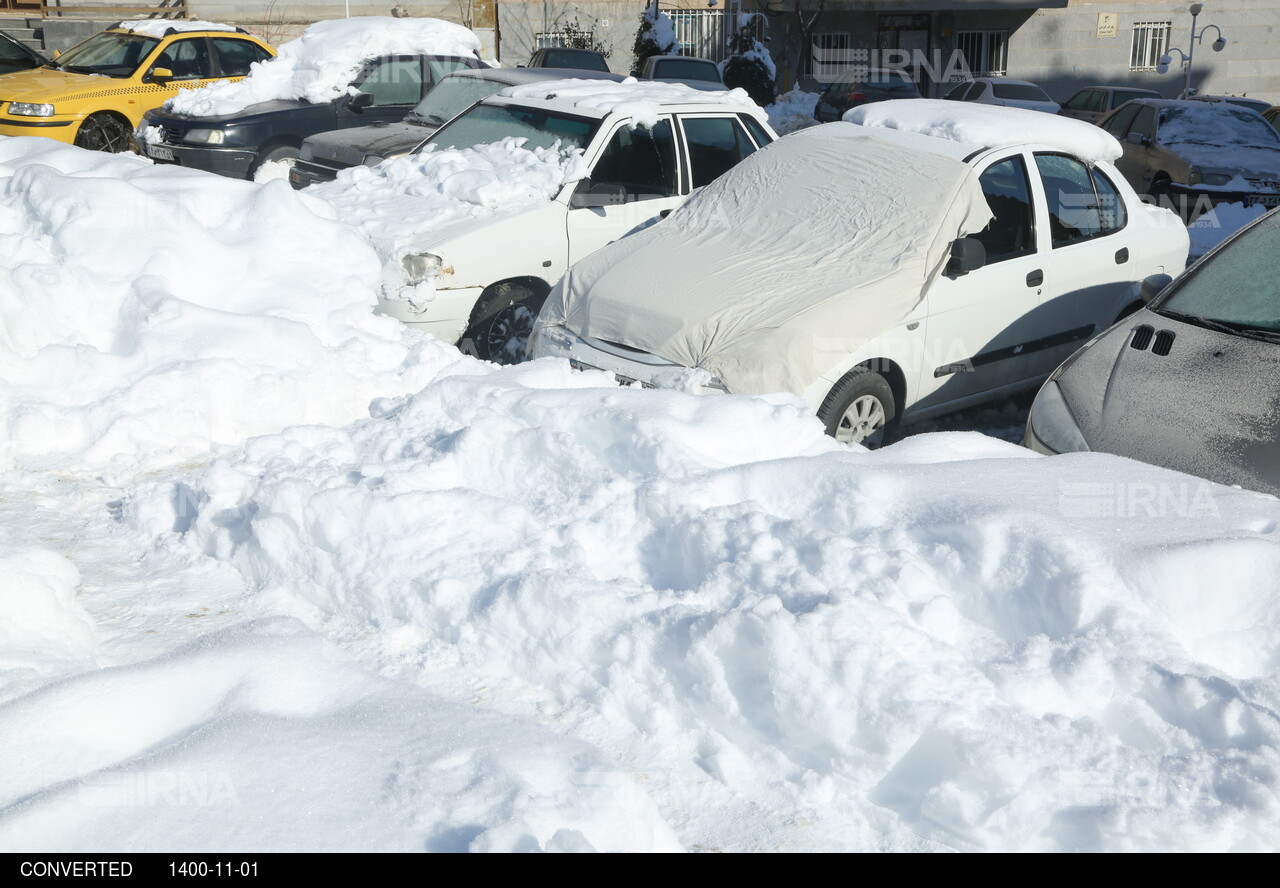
point(884, 272)
point(1002, 91)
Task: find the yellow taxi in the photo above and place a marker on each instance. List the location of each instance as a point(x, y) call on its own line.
point(95, 93)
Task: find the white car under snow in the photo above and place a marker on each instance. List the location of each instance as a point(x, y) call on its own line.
point(644, 148)
point(912, 265)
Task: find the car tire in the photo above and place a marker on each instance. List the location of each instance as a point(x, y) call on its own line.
point(271, 155)
point(103, 132)
point(1161, 194)
point(860, 409)
point(501, 323)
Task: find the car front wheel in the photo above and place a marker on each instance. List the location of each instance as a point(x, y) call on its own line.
point(501, 323)
point(860, 409)
point(103, 132)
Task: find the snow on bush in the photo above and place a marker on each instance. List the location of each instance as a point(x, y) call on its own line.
point(656, 36)
point(989, 126)
point(147, 312)
point(938, 645)
point(793, 110)
point(749, 64)
point(319, 65)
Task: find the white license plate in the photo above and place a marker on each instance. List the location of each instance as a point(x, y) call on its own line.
point(1265, 200)
point(159, 152)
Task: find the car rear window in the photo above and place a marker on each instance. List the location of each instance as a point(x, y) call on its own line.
point(1024, 91)
point(586, 61)
point(685, 69)
point(1215, 123)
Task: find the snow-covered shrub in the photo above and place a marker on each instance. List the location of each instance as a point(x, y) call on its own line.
point(749, 64)
point(657, 36)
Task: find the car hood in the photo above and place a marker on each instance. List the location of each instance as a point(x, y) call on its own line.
point(786, 264)
point(1210, 407)
point(352, 146)
point(260, 113)
point(1251, 162)
point(47, 85)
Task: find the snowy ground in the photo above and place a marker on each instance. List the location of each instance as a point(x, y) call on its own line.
point(283, 575)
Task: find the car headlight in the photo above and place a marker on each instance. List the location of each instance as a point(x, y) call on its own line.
point(419, 267)
point(1052, 425)
point(1200, 177)
point(28, 109)
point(206, 136)
point(372, 160)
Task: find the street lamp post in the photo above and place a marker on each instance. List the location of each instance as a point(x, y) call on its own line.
point(1187, 57)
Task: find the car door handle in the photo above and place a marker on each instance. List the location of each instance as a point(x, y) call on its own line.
point(1122, 255)
point(1035, 278)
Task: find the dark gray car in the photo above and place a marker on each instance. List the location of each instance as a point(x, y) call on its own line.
point(1192, 381)
point(860, 86)
point(324, 155)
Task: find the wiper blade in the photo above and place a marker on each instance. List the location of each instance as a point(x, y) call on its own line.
point(1233, 327)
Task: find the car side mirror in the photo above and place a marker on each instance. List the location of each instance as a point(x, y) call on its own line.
point(1152, 286)
point(590, 194)
point(359, 102)
point(1137, 139)
point(967, 254)
point(57, 53)
point(160, 75)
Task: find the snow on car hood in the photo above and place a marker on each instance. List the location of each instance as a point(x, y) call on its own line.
point(989, 126)
point(642, 100)
point(786, 264)
point(319, 65)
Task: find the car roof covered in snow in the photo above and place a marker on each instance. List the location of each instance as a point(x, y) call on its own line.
point(521, 76)
point(639, 99)
point(166, 27)
point(980, 126)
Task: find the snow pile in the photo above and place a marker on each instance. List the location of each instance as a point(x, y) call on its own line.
point(989, 126)
point(1218, 224)
point(792, 111)
point(319, 65)
point(42, 626)
point(261, 738)
point(403, 202)
point(159, 27)
point(147, 312)
point(949, 643)
point(639, 99)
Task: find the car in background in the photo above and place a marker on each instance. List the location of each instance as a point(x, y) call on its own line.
point(1240, 101)
point(567, 57)
point(490, 277)
point(968, 273)
point(698, 73)
point(17, 56)
point(1095, 102)
point(1002, 91)
point(1188, 382)
point(1197, 154)
point(237, 145)
point(324, 155)
point(858, 86)
point(97, 91)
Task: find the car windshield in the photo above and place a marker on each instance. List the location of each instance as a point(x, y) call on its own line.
point(1215, 123)
point(1238, 287)
point(451, 96)
point(484, 124)
point(1024, 91)
point(110, 53)
point(567, 58)
point(686, 69)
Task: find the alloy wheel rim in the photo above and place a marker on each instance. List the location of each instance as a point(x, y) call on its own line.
point(863, 422)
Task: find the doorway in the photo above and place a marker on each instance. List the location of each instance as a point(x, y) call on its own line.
point(904, 44)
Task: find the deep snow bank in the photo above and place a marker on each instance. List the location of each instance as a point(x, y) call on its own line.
point(147, 312)
point(949, 641)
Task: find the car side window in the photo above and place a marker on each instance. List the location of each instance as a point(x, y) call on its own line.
point(957, 92)
point(235, 56)
point(187, 59)
point(975, 91)
point(1080, 101)
point(757, 131)
point(1118, 126)
point(1144, 122)
point(1083, 203)
point(716, 144)
point(1097, 100)
point(640, 160)
point(1012, 232)
point(441, 68)
point(395, 81)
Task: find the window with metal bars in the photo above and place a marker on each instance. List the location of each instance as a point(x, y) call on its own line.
point(984, 53)
point(1150, 41)
point(831, 54)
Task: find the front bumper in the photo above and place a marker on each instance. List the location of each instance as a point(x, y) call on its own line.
point(1207, 197)
point(309, 172)
point(232, 162)
point(628, 365)
point(63, 130)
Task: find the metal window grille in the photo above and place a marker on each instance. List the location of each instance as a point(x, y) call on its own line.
point(702, 32)
point(559, 39)
point(984, 53)
point(831, 53)
point(1150, 41)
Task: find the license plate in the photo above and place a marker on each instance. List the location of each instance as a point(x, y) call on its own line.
point(1264, 200)
point(159, 152)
